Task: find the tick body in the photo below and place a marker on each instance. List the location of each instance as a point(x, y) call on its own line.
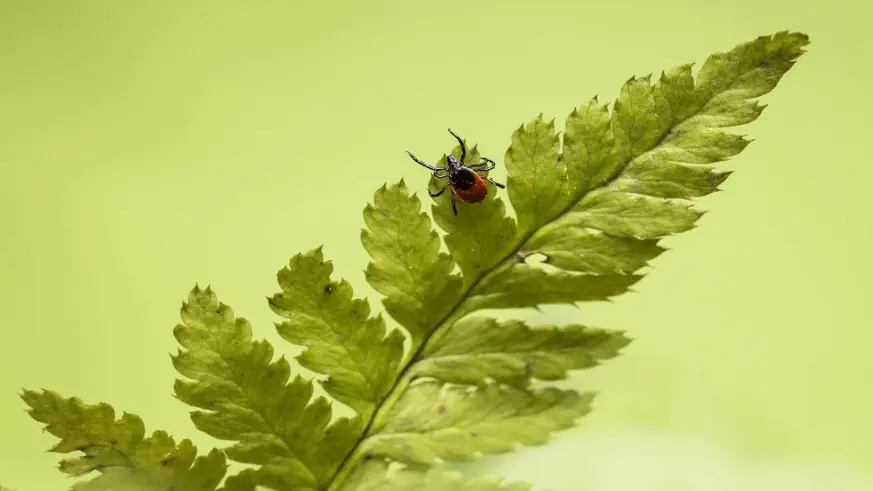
point(468, 186)
point(466, 182)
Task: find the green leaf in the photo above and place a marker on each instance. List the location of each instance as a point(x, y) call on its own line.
point(666, 179)
point(537, 184)
point(479, 348)
point(589, 151)
point(524, 285)
point(622, 215)
point(481, 235)
point(640, 118)
point(119, 450)
point(377, 475)
point(587, 250)
point(343, 341)
point(433, 421)
point(245, 397)
point(750, 70)
point(407, 265)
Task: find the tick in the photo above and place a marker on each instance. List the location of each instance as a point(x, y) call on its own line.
point(466, 182)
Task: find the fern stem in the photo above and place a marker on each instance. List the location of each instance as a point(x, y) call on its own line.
point(407, 375)
point(353, 458)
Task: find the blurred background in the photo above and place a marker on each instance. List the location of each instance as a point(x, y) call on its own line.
point(146, 146)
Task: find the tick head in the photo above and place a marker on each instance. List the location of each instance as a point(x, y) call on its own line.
point(453, 162)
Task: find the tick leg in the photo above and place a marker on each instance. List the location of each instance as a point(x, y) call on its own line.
point(441, 191)
point(463, 147)
point(419, 162)
point(454, 207)
point(484, 162)
point(492, 181)
point(436, 174)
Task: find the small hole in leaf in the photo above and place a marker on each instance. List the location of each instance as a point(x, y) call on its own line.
point(532, 257)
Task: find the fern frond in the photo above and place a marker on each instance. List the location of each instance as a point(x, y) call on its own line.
point(118, 449)
point(595, 206)
point(593, 203)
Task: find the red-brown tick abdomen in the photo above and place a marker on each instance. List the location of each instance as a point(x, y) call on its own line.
point(475, 193)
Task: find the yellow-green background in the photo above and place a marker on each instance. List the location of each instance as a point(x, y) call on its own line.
point(146, 146)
